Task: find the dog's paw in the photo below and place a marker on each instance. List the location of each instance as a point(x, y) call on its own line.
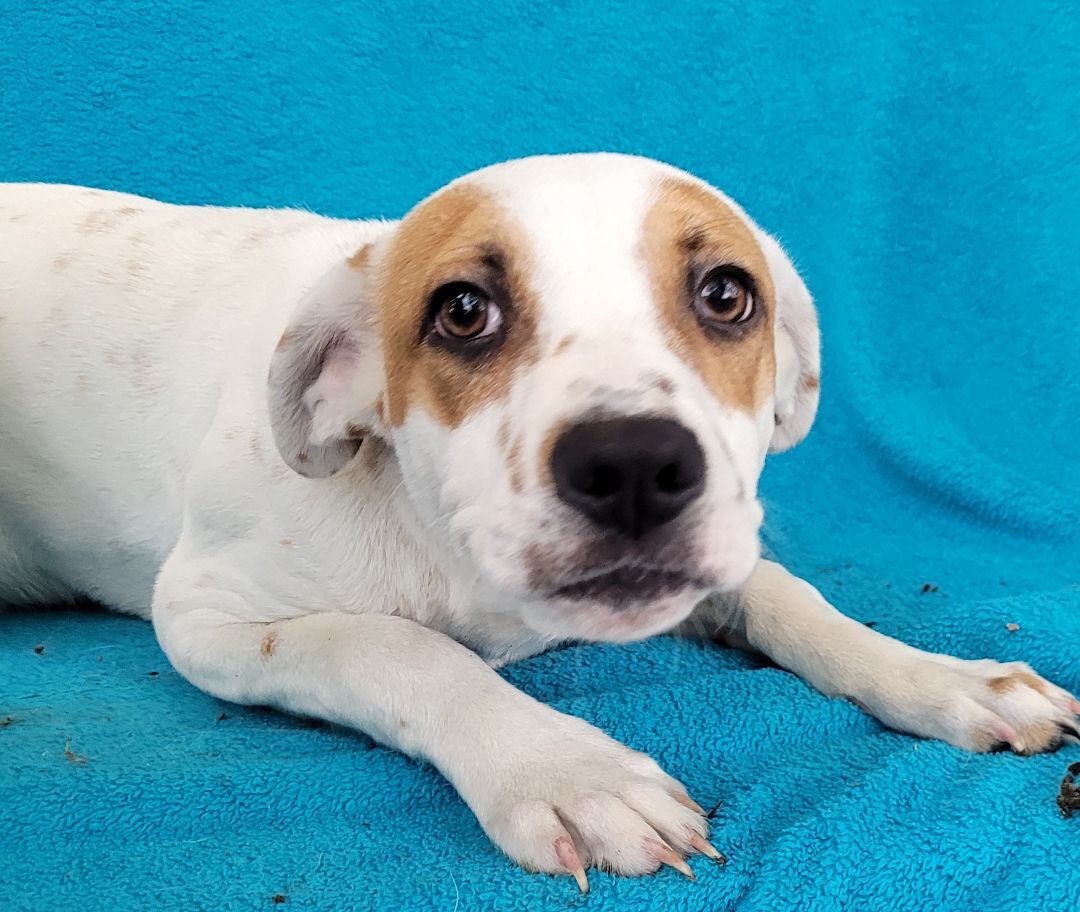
point(982, 706)
point(580, 800)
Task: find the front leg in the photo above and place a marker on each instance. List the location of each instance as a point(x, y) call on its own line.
point(978, 705)
point(553, 792)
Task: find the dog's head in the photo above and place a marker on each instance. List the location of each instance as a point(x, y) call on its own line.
point(580, 363)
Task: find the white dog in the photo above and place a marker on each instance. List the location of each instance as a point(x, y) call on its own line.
point(348, 467)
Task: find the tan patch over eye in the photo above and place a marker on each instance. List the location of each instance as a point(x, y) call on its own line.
point(459, 235)
point(689, 228)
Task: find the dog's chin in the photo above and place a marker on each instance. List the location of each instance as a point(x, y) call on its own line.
point(618, 606)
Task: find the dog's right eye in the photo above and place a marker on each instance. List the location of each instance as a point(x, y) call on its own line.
point(464, 314)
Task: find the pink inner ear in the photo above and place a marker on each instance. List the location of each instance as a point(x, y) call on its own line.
point(338, 370)
point(329, 398)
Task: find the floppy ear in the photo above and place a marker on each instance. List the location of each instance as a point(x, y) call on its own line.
point(798, 357)
point(326, 373)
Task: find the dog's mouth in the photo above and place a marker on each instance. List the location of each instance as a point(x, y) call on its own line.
point(629, 584)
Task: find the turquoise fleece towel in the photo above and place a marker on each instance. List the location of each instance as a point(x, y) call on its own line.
point(922, 164)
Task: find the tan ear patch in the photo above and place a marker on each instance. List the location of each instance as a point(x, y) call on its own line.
point(460, 234)
point(687, 225)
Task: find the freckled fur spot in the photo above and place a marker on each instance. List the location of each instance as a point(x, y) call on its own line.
point(1006, 683)
point(811, 382)
point(517, 475)
point(564, 344)
point(359, 260)
point(740, 370)
point(503, 435)
point(460, 232)
point(269, 645)
point(1025, 677)
point(62, 262)
point(284, 341)
point(287, 542)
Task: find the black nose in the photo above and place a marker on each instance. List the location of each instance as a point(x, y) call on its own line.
point(629, 474)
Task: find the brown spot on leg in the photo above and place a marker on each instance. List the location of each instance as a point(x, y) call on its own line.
point(564, 344)
point(269, 645)
point(811, 382)
point(1005, 683)
point(1035, 683)
point(1001, 685)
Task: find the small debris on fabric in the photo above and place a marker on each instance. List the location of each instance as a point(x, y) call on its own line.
point(71, 756)
point(1068, 798)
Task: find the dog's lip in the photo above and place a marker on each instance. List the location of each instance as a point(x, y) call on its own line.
point(629, 583)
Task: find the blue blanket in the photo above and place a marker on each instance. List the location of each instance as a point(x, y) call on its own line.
point(922, 166)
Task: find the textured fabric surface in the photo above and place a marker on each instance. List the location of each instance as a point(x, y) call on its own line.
point(923, 167)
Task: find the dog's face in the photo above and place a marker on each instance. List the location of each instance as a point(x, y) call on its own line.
point(580, 363)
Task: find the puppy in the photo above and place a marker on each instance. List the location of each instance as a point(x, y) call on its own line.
point(347, 468)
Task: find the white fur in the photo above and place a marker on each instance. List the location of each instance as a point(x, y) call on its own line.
point(148, 460)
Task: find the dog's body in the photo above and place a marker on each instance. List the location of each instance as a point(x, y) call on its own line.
point(520, 318)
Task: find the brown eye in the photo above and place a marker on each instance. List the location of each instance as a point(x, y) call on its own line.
point(723, 298)
point(464, 312)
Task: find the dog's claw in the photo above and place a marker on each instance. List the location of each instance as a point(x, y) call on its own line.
point(687, 802)
point(663, 853)
point(568, 857)
point(706, 849)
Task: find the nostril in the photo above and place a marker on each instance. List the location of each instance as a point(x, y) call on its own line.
point(605, 481)
point(670, 480)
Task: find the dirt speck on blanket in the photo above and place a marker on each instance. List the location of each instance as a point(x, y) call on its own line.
point(1069, 796)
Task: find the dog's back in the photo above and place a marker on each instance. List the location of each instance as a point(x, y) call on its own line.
point(125, 326)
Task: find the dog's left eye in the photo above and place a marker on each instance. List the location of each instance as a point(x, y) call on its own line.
point(724, 298)
point(463, 312)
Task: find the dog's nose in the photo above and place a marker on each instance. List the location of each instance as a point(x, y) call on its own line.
point(629, 474)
